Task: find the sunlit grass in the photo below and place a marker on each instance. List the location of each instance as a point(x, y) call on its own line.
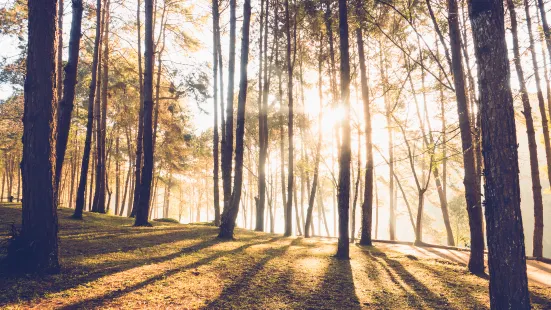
point(109, 264)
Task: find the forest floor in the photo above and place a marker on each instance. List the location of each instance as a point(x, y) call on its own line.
point(107, 263)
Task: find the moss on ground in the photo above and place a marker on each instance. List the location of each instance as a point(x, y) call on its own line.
point(107, 263)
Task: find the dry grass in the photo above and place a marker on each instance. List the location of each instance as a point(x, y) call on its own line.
point(109, 264)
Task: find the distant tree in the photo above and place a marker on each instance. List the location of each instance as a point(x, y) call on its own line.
point(506, 253)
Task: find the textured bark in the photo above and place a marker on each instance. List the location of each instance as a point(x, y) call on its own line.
point(36, 248)
point(147, 169)
point(470, 178)
point(506, 253)
point(66, 104)
point(215, 149)
point(538, 213)
point(230, 213)
point(80, 200)
point(532, 144)
point(345, 149)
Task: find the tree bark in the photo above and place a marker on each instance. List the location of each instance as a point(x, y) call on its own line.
point(470, 179)
point(345, 149)
point(147, 169)
point(215, 151)
point(538, 212)
point(37, 247)
point(66, 104)
point(80, 200)
point(506, 252)
point(230, 214)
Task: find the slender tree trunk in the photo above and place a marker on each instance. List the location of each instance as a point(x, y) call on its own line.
point(367, 206)
point(261, 140)
point(117, 175)
point(470, 179)
point(506, 253)
point(99, 196)
point(66, 104)
point(290, 166)
point(538, 209)
point(139, 138)
point(230, 214)
point(79, 206)
point(345, 149)
point(37, 248)
point(227, 140)
point(147, 169)
point(215, 152)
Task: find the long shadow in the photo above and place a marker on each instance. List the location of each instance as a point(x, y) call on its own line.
point(242, 284)
point(446, 256)
point(413, 300)
point(18, 289)
point(337, 289)
point(420, 289)
point(101, 300)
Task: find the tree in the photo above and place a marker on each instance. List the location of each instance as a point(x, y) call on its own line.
point(470, 178)
point(142, 211)
point(215, 155)
point(35, 249)
point(532, 145)
point(367, 207)
point(290, 167)
point(65, 106)
point(79, 206)
point(345, 148)
point(506, 253)
point(230, 214)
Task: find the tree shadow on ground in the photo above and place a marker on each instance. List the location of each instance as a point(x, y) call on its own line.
point(106, 298)
point(75, 253)
point(337, 289)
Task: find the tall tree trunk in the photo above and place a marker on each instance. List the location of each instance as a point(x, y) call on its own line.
point(470, 178)
point(117, 175)
point(99, 196)
point(139, 138)
point(37, 248)
point(230, 214)
point(314, 187)
point(367, 206)
point(506, 252)
point(66, 104)
point(147, 169)
point(345, 149)
point(290, 166)
point(215, 152)
point(538, 212)
point(79, 206)
point(227, 140)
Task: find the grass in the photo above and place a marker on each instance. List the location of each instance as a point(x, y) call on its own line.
point(107, 263)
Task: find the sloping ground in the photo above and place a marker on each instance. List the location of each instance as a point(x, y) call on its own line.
point(109, 264)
